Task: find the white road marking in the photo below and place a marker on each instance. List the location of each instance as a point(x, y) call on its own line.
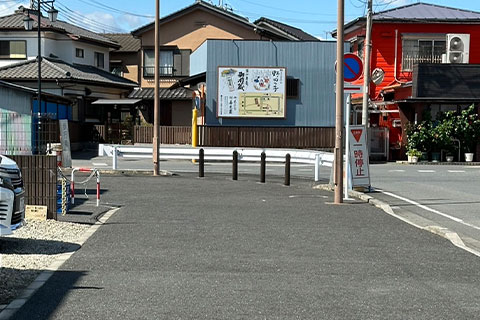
point(426, 171)
point(421, 206)
point(456, 171)
point(99, 164)
point(305, 170)
point(396, 170)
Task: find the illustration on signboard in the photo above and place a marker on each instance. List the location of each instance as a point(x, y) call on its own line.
point(251, 92)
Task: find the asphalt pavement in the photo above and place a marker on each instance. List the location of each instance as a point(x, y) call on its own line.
point(182, 247)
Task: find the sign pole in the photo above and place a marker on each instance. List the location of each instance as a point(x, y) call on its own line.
point(339, 104)
point(347, 147)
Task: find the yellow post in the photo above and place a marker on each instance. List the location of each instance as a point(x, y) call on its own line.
point(194, 128)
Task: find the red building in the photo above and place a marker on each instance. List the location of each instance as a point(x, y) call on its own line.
point(419, 52)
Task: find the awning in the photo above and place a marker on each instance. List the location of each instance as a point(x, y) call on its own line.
point(165, 94)
point(117, 101)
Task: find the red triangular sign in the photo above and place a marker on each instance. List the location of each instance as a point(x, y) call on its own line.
point(357, 134)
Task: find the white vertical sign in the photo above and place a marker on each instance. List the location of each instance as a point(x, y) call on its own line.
point(65, 140)
point(359, 157)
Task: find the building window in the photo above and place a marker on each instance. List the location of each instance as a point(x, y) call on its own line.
point(416, 51)
point(99, 60)
point(293, 88)
point(116, 69)
point(13, 49)
point(79, 53)
point(166, 63)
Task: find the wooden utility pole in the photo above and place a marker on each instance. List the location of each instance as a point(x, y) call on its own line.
point(366, 65)
point(156, 104)
point(339, 105)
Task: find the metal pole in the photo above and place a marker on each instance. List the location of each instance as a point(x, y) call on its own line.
point(366, 65)
point(201, 163)
point(339, 105)
point(287, 169)
point(263, 160)
point(39, 77)
point(156, 104)
point(347, 146)
point(235, 165)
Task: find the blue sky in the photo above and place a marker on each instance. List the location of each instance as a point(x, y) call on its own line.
point(317, 17)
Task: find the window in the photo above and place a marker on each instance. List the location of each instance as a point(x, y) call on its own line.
point(293, 88)
point(79, 53)
point(13, 49)
point(99, 60)
point(166, 63)
point(360, 48)
point(116, 69)
point(416, 51)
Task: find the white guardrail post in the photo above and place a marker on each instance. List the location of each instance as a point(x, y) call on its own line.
point(316, 158)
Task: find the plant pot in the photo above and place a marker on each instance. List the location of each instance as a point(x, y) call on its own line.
point(469, 156)
point(435, 156)
point(409, 158)
point(449, 158)
point(413, 159)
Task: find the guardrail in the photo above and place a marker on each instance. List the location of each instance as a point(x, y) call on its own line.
point(317, 158)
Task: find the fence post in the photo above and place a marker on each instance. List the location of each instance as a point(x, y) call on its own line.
point(201, 163)
point(114, 160)
point(263, 161)
point(317, 167)
point(287, 169)
point(235, 165)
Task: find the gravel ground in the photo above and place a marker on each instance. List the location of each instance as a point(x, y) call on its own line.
point(26, 253)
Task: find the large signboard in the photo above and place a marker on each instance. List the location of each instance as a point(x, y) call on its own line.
point(251, 92)
point(359, 156)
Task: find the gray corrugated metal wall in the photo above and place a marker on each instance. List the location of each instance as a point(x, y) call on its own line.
point(311, 62)
point(15, 100)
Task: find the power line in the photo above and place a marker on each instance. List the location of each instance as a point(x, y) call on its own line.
point(100, 5)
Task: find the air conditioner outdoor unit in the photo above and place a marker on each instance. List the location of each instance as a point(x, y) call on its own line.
point(458, 47)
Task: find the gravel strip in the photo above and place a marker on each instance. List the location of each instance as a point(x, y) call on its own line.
point(30, 250)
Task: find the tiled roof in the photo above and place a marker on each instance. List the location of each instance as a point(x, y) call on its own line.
point(197, 5)
point(426, 11)
point(165, 94)
point(419, 12)
point(53, 69)
point(15, 22)
point(298, 34)
point(126, 41)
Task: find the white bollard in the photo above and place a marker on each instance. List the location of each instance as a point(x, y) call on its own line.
point(317, 167)
point(114, 160)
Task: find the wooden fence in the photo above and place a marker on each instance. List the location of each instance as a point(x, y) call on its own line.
point(259, 137)
point(40, 180)
point(168, 135)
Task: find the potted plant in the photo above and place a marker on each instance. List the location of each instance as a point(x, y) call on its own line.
point(413, 155)
point(449, 157)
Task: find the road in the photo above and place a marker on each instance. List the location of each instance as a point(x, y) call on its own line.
point(182, 247)
point(446, 196)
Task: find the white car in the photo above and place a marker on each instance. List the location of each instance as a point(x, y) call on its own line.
point(12, 197)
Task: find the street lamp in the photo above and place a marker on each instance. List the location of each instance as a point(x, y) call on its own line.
point(28, 24)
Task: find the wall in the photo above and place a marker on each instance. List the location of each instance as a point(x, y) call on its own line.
point(311, 62)
point(56, 44)
point(15, 100)
point(383, 47)
point(198, 59)
point(181, 113)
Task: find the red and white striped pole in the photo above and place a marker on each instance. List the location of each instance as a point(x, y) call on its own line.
point(72, 187)
point(98, 188)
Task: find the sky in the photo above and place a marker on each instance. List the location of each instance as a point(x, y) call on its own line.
point(317, 17)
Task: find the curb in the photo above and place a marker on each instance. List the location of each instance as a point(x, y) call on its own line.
point(138, 172)
point(8, 311)
point(451, 236)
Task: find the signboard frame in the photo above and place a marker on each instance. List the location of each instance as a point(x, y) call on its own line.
point(258, 96)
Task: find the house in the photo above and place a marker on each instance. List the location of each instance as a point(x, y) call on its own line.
point(415, 50)
point(18, 134)
point(268, 93)
point(75, 65)
point(182, 33)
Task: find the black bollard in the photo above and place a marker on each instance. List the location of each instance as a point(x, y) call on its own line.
point(263, 161)
point(201, 163)
point(287, 169)
point(235, 165)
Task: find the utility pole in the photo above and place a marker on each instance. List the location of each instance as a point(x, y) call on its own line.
point(366, 65)
point(339, 105)
point(156, 104)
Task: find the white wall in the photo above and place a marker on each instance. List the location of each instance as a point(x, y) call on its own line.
point(56, 44)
